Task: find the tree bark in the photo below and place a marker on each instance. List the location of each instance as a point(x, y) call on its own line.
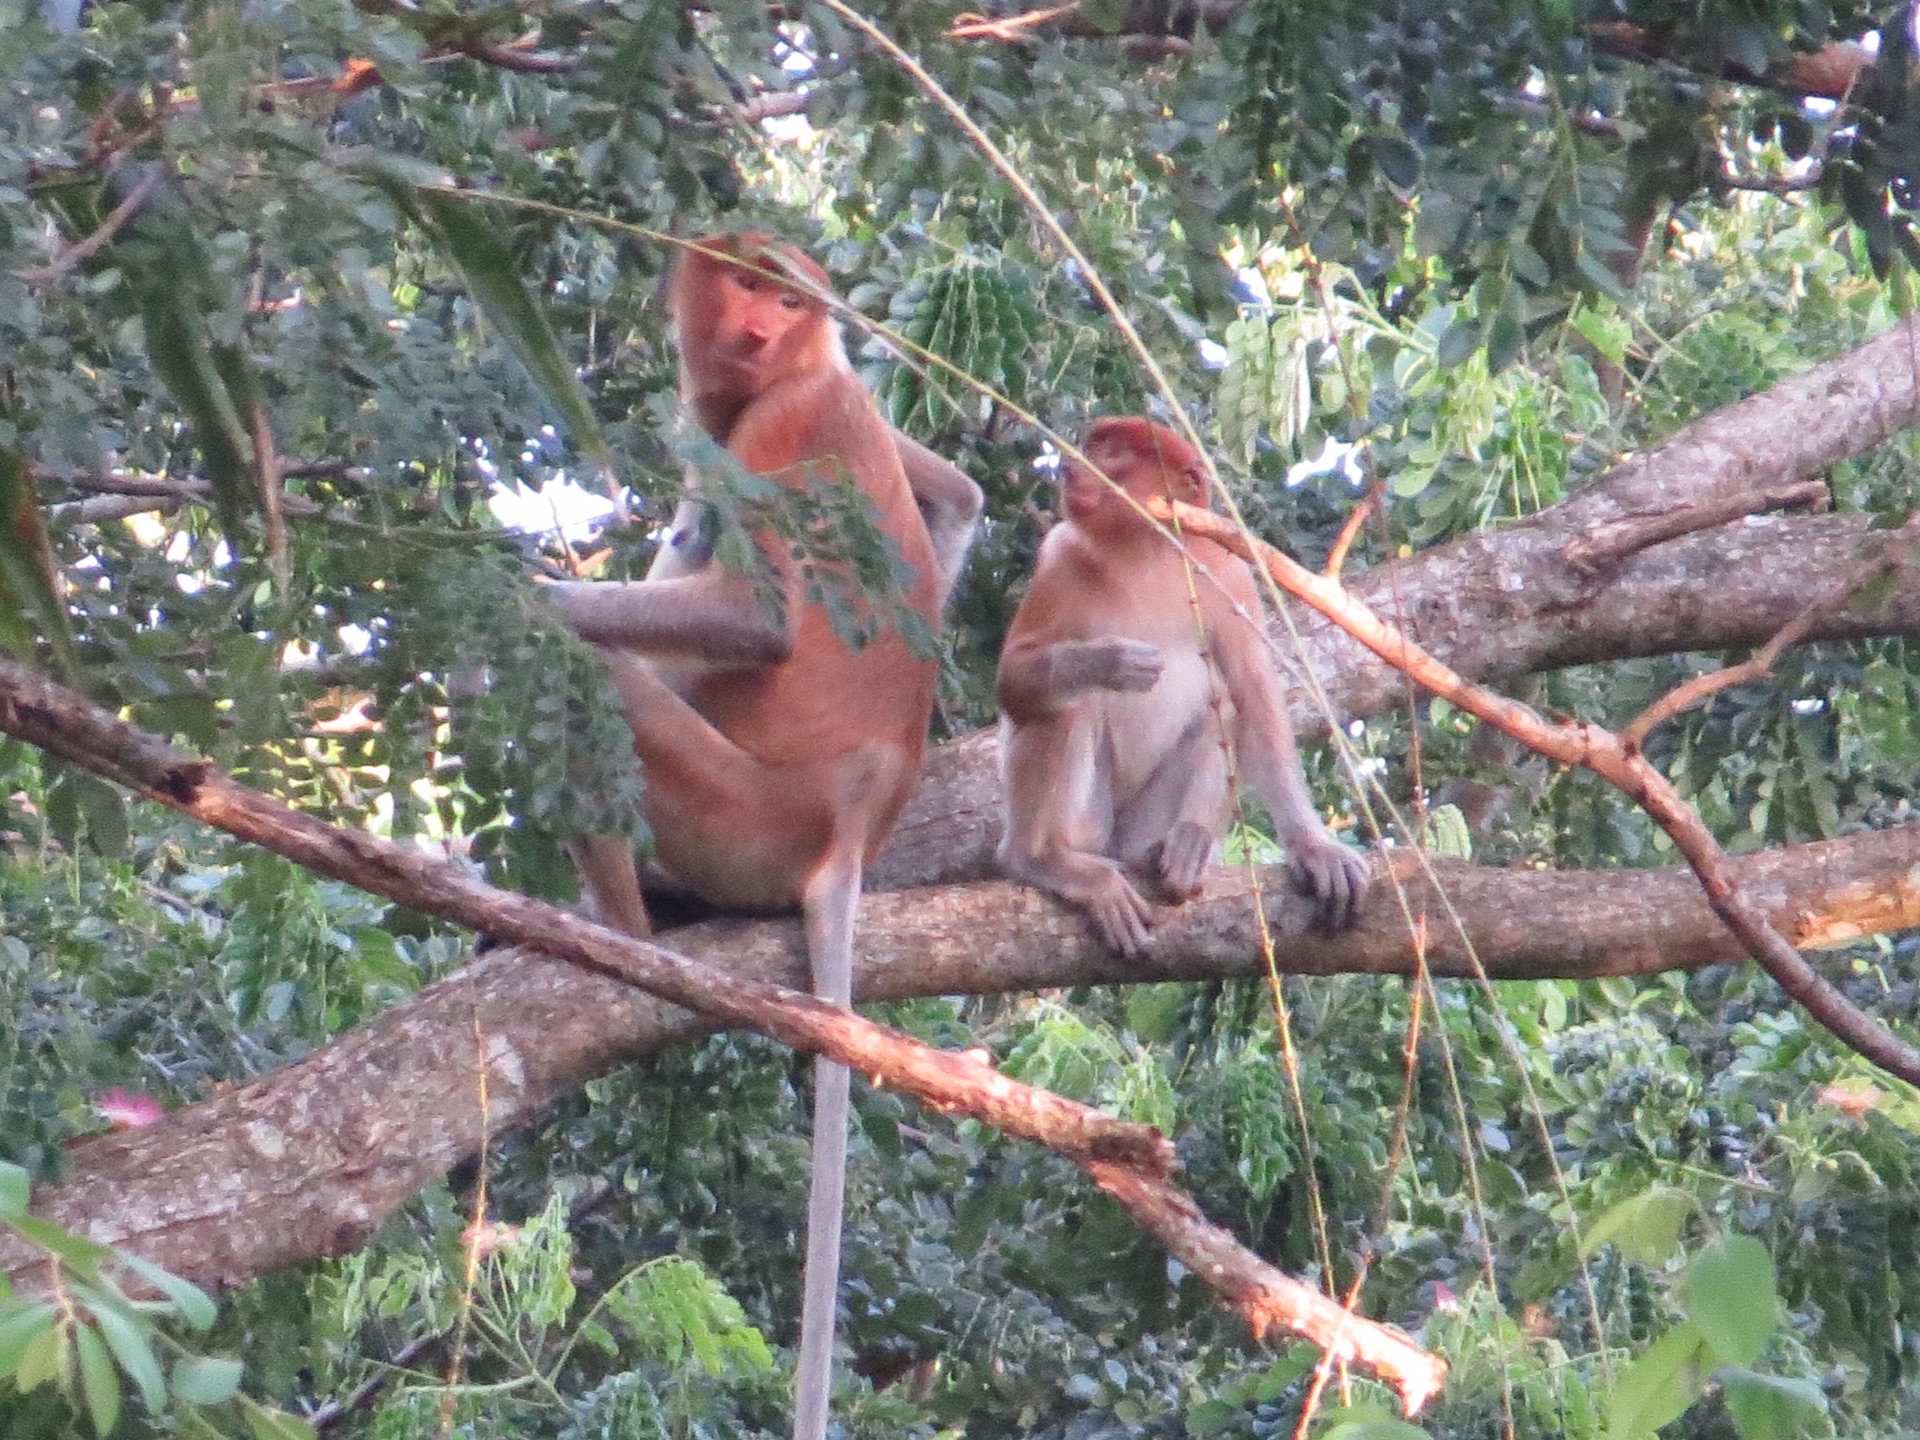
point(309, 1160)
point(1495, 615)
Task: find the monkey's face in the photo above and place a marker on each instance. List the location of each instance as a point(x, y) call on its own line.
point(1145, 466)
point(757, 324)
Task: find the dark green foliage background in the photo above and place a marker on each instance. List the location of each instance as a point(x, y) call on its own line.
point(1469, 179)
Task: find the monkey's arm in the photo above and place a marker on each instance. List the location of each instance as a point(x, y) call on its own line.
point(949, 502)
point(1333, 874)
point(710, 616)
point(1039, 678)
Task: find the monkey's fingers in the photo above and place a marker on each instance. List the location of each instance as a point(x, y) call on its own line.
point(1128, 665)
point(1121, 915)
point(1335, 878)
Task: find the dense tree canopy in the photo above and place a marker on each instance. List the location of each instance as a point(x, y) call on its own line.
point(1581, 332)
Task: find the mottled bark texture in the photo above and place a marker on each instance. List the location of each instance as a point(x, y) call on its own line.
point(1506, 602)
point(309, 1160)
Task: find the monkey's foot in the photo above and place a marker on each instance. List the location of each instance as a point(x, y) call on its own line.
point(1179, 863)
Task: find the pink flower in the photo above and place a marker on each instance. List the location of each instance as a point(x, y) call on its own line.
point(125, 1111)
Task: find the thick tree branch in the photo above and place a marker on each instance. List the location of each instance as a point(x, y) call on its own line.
point(1505, 602)
point(311, 1159)
point(1592, 748)
point(64, 724)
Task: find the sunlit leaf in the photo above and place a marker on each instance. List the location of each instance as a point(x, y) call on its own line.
point(1660, 1385)
point(1731, 1298)
point(1769, 1407)
point(99, 1381)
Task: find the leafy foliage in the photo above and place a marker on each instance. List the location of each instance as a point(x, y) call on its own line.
point(1497, 246)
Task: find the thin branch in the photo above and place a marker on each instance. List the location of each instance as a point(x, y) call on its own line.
point(1828, 74)
point(1137, 1158)
point(273, 500)
point(1591, 747)
point(1684, 697)
point(86, 249)
point(969, 26)
point(518, 56)
point(1774, 184)
point(99, 509)
point(368, 1390)
point(1350, 530)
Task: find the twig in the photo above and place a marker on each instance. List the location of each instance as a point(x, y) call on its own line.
point(1591, 747)
point(1132, 1162)
point(117, 217)
point(363, 1394)
point(969, 26)
point(1609, 544)
point(1684, 697)
point(1350, 531)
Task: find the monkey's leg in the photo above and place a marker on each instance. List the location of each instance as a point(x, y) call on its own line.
point(734, 830)
point(1171, 826)
point(608, 879)
point(1060, 817)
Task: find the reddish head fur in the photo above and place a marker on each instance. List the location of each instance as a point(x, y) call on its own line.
point(748, 315)
point(1141, 457)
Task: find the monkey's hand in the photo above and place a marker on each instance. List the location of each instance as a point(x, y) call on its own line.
point(1120, 913)
point(1110, 663)
point(1335, 877)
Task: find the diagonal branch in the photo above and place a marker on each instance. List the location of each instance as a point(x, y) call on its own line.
point(1132, 1161)
point(1590, 747)
point(1684, 697)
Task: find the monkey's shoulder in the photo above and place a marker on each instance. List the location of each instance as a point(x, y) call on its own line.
point(819, 417)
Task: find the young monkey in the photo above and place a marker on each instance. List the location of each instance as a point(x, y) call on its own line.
point(775, 758)
point(1119, 698)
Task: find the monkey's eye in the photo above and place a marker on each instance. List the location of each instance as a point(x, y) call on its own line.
point(790, 301)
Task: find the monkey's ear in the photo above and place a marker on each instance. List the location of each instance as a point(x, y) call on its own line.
point(1197, 489)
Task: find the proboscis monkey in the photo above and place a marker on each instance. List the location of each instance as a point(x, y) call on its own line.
point(775, 758)
point(1121, 689)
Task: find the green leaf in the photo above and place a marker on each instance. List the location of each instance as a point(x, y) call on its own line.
point(128, 1341)
point(1646, 1228)
point(99, 1382)
point(15, 1187)
point(83, 1254)
point(1368, 1422)
point(194, 1305)
point(1769, 1407)
point(20, 1322)
point(1211, 1415)
point(44, 1357)
point(270, 1424)
point(205, 1379)
point(1659, 1386)
point(471, 239)
point(1153, 1011)
point(1731, 1298)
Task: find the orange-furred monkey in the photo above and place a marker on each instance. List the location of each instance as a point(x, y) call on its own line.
point(1118, 702)
point(775, 758)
